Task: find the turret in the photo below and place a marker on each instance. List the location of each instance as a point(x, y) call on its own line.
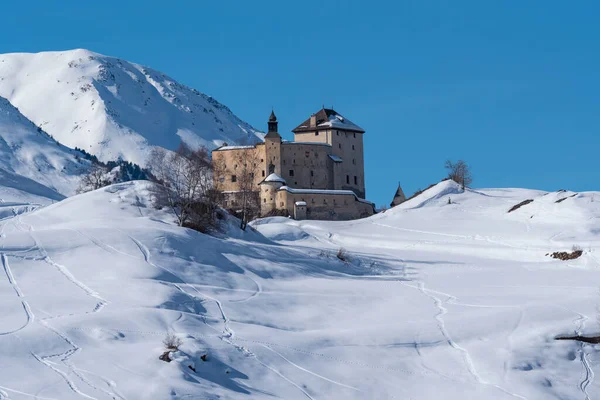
point(272, 132)
point(268, 193)
point(399, 197)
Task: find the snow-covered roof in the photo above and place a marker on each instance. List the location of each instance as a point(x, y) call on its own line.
point(335, 158)
point(319, 143)
point(234, 148)
point(301, 203)
point(325, 191)
point(327, 118)
point(274, 178)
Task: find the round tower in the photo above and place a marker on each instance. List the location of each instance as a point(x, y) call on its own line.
point(268, 193)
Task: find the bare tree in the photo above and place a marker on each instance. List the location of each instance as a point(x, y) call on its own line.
point(183, 179)
point(245, 174)
point(96, 178)
point(459, 172)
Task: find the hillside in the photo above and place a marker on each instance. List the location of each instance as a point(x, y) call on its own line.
point(114, 108)
point(33, 162)
point(432, 298)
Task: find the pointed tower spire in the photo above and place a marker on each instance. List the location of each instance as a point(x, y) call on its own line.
point(272, 124)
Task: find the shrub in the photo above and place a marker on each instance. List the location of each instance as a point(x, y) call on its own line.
point(342, 255)
point(172, 342)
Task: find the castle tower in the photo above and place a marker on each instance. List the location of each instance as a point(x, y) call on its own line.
point(399, 197)
point(273, 147)
point(346, 140)
point(268, 193)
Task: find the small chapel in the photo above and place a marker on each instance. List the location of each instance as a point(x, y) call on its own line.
point(319, 175)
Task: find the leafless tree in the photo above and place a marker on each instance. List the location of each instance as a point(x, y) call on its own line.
point(96, 178)
point(459, 172)
point(245, 172)
point(183, 179)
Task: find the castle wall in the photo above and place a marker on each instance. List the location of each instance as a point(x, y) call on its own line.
point(227, 164)
point(349, 174)
point(307, 165)
point(325, 206)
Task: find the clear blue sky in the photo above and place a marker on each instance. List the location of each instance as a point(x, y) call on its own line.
point(512, 87)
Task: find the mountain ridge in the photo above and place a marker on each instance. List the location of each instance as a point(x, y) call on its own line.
point(114, 108)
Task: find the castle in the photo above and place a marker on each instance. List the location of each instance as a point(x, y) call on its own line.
point(320, 175)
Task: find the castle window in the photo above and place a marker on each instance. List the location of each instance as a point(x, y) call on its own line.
point(252, 175)
point(235, 166)
point(233, 178)
point(262, 160)
point(337, 133)
point(283, 162)
point(263, 172)
point(324, 201)
point(291, 172)
point(355, 180)
point(355, 136)
point(352, 147)
point(317, 133)
point(264, 200)
point(353, 161)
point(348, 179)
point(312, 173)
point(340, 145)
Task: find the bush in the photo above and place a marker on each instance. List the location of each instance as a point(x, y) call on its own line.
point(342, 255)
point(172, 342)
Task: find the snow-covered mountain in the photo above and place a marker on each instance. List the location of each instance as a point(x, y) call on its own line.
point(432, 296)
point(114, 108)
point(33, 162)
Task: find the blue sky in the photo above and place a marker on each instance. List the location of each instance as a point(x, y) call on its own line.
point(512, 87)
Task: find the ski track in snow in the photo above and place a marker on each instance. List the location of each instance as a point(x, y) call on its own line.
point(587, 373)
point(229, 334)
point(464, 352)
point(64, 356)
point(311, 372)
point(24, 303)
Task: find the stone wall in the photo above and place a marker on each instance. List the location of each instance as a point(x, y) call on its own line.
point(307, 165)
point(325, 206)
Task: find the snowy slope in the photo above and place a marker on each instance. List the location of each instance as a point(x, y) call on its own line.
point(113, 108)
point(457, 301)
point(33, 162)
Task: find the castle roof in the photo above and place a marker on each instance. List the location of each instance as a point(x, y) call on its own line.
point(274, 178)
point(327, 118)
point(399, 197)
point(272, 118)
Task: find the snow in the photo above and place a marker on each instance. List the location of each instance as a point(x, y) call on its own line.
point(335, 158)
point(300, 203)
point(311, 143)
point(274, 178)
point(114, 108)
point(458, 299)
point(337, 121)
point(324, 191)
point(32, 161)
point(235, 147)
